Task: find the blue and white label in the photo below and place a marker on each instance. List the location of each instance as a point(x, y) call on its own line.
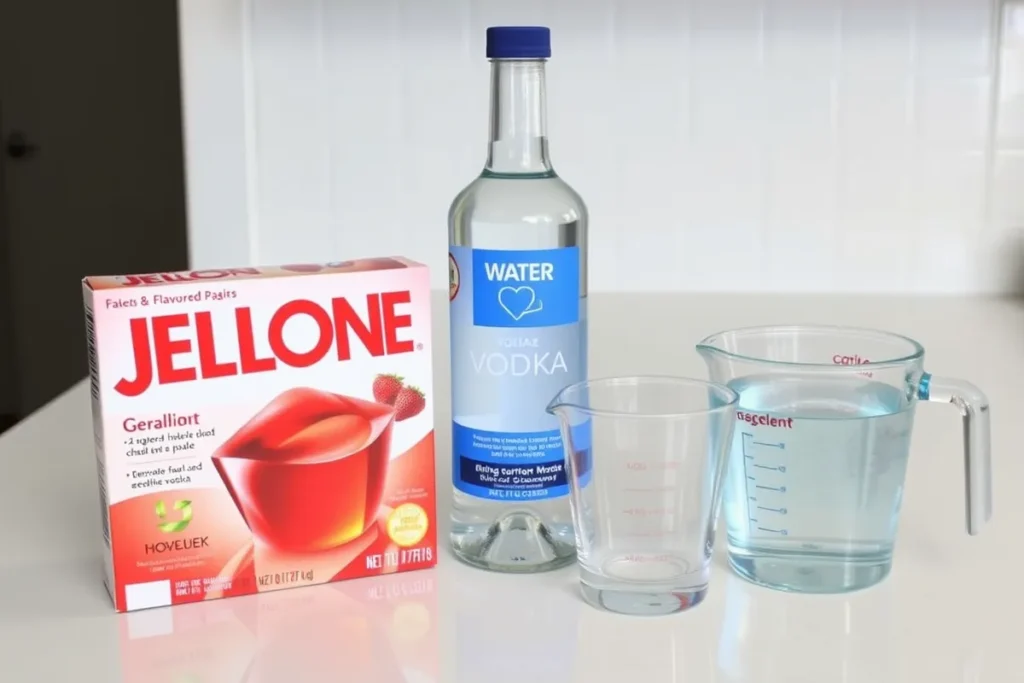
point(518, 336)
point(524, 466)
point(526, 288)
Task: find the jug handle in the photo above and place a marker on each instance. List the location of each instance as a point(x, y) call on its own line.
point(973, 406)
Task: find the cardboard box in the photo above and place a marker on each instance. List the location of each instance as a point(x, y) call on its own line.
point(261, 428)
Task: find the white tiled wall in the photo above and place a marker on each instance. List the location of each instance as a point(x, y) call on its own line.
point(786, 145)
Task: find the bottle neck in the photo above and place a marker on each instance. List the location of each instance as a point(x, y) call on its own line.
point(519, 143)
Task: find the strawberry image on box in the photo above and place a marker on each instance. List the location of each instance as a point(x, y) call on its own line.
point(386, 388)
point(261, 428)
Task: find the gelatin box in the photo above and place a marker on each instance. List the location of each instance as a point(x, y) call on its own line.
point(261, 428)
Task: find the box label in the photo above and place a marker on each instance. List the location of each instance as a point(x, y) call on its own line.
point(518, 336)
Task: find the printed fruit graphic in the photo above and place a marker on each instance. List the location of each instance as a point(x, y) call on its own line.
point(410, 403)
point(386, 388)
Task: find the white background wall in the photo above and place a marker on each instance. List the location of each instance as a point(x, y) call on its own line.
point(721, 145)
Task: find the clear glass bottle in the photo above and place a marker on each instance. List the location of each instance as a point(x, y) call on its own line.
point(518, 290)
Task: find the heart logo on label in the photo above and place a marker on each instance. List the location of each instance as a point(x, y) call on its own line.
point(519, 301)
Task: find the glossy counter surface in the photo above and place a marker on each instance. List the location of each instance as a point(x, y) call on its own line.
point(948, 613)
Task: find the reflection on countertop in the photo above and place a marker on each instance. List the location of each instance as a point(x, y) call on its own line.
point(871, 636)
point(505, 631)
point(936, 618)
point(367, 631)
point(537, 630)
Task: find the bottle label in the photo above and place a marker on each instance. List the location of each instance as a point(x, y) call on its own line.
point(518, 337)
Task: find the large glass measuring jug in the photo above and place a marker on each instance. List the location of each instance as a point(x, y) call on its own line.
point(645, 459)
point(819, 454)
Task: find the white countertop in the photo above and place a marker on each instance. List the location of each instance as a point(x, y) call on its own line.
point(949, 612)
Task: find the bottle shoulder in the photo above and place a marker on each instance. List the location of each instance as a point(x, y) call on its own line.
point(526, 199)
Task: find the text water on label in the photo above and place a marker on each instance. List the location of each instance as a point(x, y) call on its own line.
point(516, 342)
point(526, 288)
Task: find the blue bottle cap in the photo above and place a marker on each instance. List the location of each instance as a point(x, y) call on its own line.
point(518, 42)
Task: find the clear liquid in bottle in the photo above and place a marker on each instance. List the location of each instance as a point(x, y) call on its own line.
point(518, 290)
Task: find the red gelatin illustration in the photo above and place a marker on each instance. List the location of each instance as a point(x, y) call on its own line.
point(307, 473)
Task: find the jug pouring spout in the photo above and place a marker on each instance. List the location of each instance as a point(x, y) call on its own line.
point(710, 346)
point(721, 363)
point(564, 406)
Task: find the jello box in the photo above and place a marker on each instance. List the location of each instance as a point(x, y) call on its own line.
point(261, 428)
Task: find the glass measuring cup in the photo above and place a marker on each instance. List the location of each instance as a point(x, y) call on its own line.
point(819, 454)
point(645, 459)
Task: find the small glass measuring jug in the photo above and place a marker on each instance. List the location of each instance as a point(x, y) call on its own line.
point(819, 454)
point(645, 458)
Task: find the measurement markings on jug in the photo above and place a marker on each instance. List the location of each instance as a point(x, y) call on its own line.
point(765, 488)
point(643, 466)
point(649, 512)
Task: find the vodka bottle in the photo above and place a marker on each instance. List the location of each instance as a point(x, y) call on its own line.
point(518, 291)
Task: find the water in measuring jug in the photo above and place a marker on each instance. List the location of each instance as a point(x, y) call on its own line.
point(815, 480)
